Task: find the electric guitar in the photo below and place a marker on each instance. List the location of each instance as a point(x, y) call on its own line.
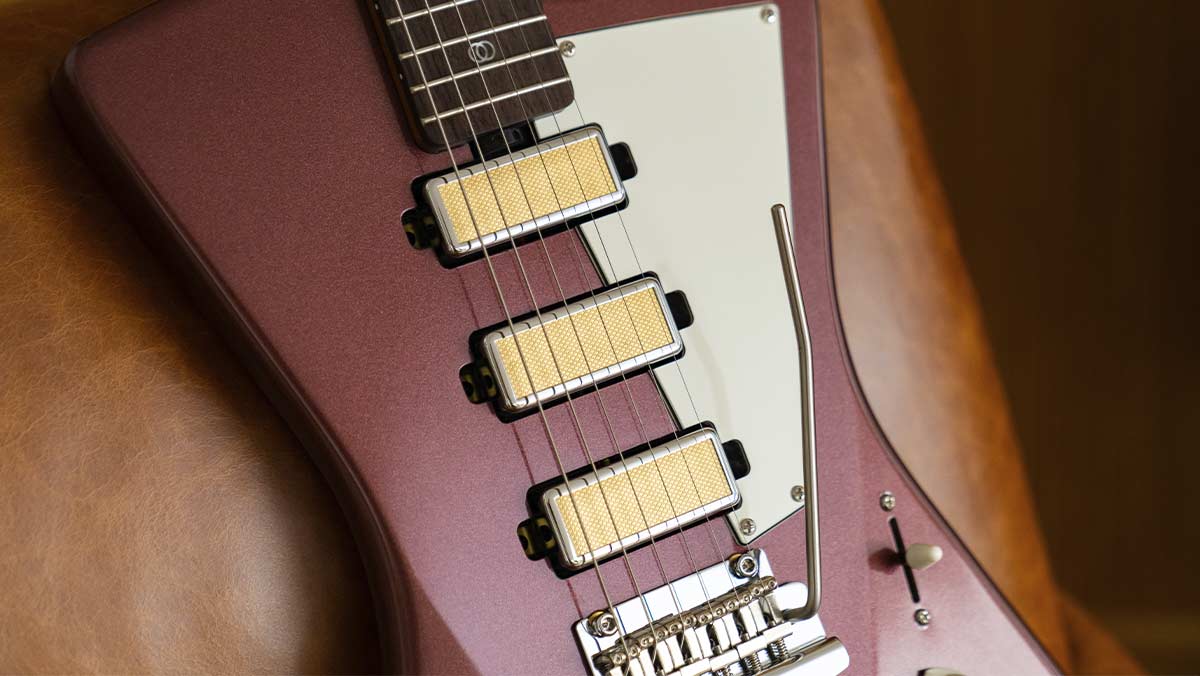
point(546, 291)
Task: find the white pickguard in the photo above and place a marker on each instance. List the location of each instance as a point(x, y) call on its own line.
point(700, 101)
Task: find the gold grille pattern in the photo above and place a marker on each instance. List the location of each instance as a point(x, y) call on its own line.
point(692, 476)
point(609, 333)
point(549, 187)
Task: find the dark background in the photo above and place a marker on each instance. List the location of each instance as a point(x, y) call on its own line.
point(1066, 136)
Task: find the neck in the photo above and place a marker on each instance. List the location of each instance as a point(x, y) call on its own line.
point(468, 67)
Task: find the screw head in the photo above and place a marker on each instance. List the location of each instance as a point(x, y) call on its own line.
point(798, 493)
point(744, 565)
point(567, 48)
point(768, 14)
point(923, 617)
point(747, 526)
point(887, 501)
point(602, 623)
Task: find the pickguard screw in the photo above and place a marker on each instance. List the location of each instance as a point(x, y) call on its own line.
point(768, 14)
point(887, 501)
point(567, 48)
point(602, 623)
point(798, 493)
point(923, 617)
point(745, 565)
point(747, 526)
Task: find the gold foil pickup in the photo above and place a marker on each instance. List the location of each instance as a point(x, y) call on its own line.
point(629, 501)
point(579, 344)
point(545, 185)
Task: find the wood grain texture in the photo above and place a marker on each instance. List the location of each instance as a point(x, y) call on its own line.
point(914, 329)
point(917, 335)
point(1071, 167)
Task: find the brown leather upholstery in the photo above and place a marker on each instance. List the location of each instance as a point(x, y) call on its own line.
point(155, 513)
point(157, 516)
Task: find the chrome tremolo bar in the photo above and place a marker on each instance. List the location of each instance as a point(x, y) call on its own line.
point(812, 531)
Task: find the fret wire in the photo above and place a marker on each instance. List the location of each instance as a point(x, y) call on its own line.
point(508, 95)
point(422, 12)
point(471, 36)
point(475, 70)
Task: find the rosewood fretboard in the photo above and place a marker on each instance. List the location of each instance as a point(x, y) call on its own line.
point(473, 65)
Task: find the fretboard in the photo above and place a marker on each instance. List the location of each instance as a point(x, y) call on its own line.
point(469, 67)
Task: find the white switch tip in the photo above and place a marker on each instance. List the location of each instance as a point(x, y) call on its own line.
point(921, 556)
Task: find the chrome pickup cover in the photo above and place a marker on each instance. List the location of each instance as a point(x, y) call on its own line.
point(501, 199)
point(729, 619)
point(574, 346)
point(672, 485)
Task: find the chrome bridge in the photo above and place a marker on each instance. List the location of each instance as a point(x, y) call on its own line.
point(728, 619)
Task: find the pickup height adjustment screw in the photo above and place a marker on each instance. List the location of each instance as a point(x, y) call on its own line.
point(798, 493)
point(567, 48)
point(887, 501)
point(602, 623)
point(745, 565)
point(747, 526)
point(923, 617)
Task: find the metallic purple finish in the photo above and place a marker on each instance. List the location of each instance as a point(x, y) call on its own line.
point(268, 147)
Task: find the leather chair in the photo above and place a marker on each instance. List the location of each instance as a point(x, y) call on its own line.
point(157, 515)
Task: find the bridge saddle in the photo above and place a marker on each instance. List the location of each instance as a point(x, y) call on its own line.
point(728, 619)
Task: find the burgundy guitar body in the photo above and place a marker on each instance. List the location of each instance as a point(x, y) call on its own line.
point(262, 150)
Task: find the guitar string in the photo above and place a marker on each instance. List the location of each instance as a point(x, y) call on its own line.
point(604, 323)
point(579, 261)
point(507, 314)
point(558, 283)
point(620, 216)
point(538, 314)
point(541, 324)
point(626, 388)
point(639, 265)
point(607, 419)
point(571, 321)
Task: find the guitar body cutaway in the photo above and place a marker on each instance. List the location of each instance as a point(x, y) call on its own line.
point(262, 151)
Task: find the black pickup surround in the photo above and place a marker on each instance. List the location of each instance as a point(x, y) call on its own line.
point(541, 535)
point(493, 376)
